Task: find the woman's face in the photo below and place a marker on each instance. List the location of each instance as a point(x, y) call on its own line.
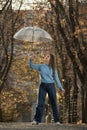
point(47, 58)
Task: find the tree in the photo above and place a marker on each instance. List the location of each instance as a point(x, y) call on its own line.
point(68, 26)
point(7, 29)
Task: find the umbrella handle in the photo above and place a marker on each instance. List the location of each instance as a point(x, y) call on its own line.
point(33, 35)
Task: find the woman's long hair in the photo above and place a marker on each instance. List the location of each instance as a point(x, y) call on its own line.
point(52, 63)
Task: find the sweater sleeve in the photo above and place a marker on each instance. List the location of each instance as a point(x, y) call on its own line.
point(34, 66)
point(56, 77)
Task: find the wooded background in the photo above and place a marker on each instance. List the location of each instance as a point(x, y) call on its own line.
point(66, 21)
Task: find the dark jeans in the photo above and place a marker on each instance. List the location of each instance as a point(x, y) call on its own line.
point(50, 89)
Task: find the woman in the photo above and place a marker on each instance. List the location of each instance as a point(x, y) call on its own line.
point(48, 74)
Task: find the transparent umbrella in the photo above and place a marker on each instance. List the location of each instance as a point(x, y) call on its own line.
point(33, 34)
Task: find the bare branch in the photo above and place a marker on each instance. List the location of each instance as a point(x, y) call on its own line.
point(5, 6)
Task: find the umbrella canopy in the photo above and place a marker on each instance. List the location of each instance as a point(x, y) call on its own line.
point(33, 34)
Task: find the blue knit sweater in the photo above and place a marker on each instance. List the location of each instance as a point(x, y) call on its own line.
point(46, 73)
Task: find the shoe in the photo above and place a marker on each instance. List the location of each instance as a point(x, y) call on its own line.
point(35, 122)
point(58, 123)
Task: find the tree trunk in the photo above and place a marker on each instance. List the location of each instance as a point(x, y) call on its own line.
point(83, 107)
point(0, 109)
point(75, 98)
point(84, 99)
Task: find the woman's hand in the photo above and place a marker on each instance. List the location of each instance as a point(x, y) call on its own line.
point(31, 55)
point(63, 90)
